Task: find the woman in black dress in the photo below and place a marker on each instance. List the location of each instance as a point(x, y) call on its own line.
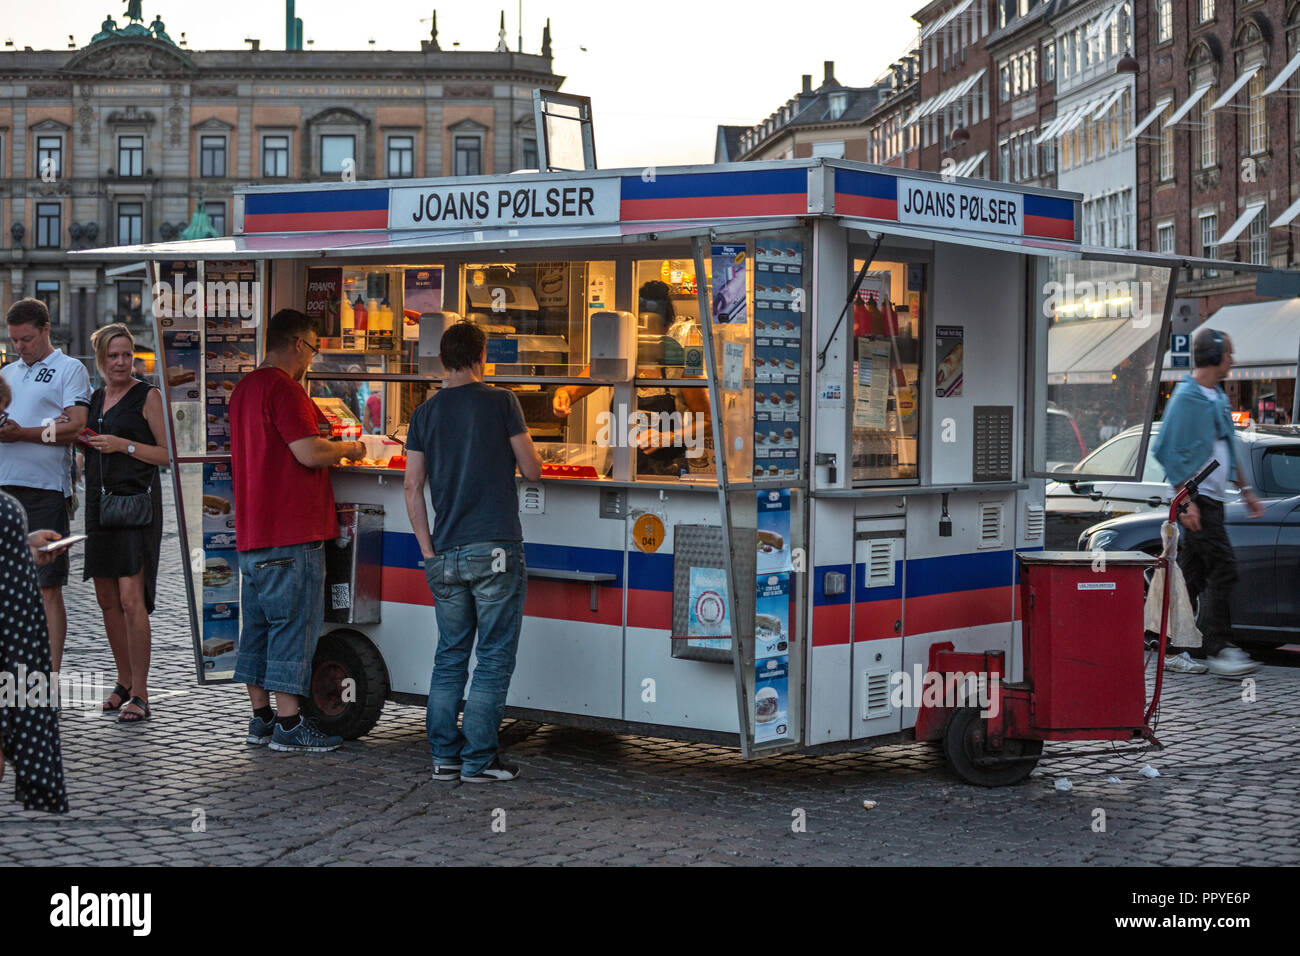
point(29, 736)
point(123, 459)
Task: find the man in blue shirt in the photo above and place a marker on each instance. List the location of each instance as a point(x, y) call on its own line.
point(1196, 428)
point(465, 442)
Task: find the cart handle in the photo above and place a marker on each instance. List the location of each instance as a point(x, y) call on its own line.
point(1176, 507)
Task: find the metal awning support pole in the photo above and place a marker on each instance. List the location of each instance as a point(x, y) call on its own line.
point(720, 439)
point(1157, 364)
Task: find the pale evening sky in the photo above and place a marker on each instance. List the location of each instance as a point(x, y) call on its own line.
point(662, 75)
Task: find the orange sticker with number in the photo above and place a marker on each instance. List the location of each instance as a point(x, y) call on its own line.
point(648, 533)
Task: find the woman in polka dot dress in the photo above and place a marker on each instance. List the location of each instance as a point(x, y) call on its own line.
point(29, 736)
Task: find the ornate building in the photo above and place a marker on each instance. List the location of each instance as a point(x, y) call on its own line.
point(123, 140)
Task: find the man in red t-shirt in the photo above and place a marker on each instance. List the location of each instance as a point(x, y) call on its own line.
point(284, 512)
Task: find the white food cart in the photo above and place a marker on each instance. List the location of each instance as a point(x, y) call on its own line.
point(887, 364)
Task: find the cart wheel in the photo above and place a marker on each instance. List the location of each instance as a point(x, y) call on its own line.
point(340, 656)
point(964, 744)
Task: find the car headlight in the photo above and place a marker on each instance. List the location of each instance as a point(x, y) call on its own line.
point(1101, 540)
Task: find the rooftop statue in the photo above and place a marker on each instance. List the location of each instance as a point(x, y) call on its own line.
point(107, 30)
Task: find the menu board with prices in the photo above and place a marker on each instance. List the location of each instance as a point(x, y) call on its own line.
point(772, 634)
point(227, 357)
point(994, 438)
point(183, 369)
point(220, 584)
point(177, 299)
point(778, 358)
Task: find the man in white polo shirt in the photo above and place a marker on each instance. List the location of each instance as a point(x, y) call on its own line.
point(51, 399)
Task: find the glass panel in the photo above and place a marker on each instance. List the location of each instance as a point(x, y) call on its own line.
point(536, 314)
point(1281, 472)
point(335, 151)
point(1103, 324)
point(1113, 458)
point(887, 353)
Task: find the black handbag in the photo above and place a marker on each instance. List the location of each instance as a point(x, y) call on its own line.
point(122, 511)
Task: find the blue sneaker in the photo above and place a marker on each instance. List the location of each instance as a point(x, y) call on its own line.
point(305, 738)
point(260, 731)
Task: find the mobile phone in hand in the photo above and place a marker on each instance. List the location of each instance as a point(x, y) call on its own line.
point(86, 433)
point(63, 543)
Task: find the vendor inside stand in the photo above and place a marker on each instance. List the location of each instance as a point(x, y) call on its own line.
point(663, 450)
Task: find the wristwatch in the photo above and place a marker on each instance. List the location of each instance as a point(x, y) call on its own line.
point(130, 448)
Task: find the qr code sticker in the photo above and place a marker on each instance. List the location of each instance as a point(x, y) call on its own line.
point(339, 597)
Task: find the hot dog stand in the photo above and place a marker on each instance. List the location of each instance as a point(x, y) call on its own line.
point(860, 428)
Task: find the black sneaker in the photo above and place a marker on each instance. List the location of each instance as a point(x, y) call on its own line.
point(446, 771)
point(493, 772)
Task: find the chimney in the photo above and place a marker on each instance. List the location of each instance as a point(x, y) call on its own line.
point(254, 45)
point(830, 71)
point(807, 83)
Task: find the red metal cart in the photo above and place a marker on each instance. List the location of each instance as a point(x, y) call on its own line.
point(1082, 640)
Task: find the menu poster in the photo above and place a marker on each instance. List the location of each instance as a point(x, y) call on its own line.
point(220, 637)
point(778, 361)
point(218, 498)
point(422, 292)
point(771, 698)
point(948, 360)
point(176, 301)
point(773, 531)
point(729, 301)
point(872, 402)
point(772, 615)
point(183, 365)
point(733, 366)
point(324, 288)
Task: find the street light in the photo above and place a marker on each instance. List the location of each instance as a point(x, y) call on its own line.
point(1128, 64)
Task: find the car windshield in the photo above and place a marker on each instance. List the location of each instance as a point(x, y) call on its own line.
point(1153, 471)
point(1113, 458)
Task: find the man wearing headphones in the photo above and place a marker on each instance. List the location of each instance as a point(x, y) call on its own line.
point(1197, 427)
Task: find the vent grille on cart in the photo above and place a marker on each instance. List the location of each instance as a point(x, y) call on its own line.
point(1034, 520)
point(990, 524)
point(880, 563)
point(875, 693)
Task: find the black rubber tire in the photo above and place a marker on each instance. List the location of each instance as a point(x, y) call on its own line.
point(350, 655)
point(963, 740)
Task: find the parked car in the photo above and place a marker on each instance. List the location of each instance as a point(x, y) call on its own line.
point(1065, 445)
point(1074, 505)
point(1266, 602)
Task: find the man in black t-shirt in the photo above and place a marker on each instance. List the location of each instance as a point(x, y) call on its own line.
point(464, 444)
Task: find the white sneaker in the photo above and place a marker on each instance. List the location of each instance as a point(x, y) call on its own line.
point(1183, 664)
point(1231, 662)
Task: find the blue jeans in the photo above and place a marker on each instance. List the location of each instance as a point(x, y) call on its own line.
point(282, 597)
point(479, 587)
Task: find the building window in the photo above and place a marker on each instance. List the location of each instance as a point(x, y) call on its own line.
point(130, 155)
point(1049, 62)
point(130, 223)
point(212, 157)
point(469, 156)
point(1258, 114)
point(1209, 236)
point(49, 156)
point(401, 157)
point(1164, 20)
point(49, 225)
point(216, 212)
point(530, 153)
point(48, 292)
point(337, 153)
point(1166, 150)
point(1165, 238)
point(837, 104)
point(1209, 131)
point(275, 157)
point(130, 301)
point(1205, 10)
point(1048, 161)
point(1259, 238)
point(831, 150)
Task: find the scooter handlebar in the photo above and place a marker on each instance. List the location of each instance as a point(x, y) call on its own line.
point(1195, 484)
point(1179, 504)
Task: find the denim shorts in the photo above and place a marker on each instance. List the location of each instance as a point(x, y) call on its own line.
point(282, 599)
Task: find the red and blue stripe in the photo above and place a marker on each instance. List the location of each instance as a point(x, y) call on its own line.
point(870, 195)
point(1049, 217)
point(943, 593)
point(326, 210)
point(649, 601)
point(763, 192)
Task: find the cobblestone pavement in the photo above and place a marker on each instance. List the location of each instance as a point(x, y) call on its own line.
point(1227, 791)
